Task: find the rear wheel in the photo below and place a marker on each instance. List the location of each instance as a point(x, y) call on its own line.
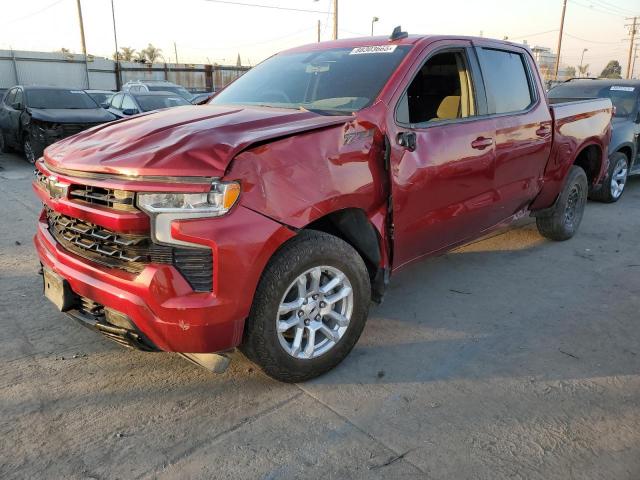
point(309, 309)
point(562, 223)
point(3, 145)
point(616, 180)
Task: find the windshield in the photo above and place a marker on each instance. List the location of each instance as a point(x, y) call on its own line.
point(57, 98)
point(155, 102)
point(183, 92)
point(334, 81)
point(101, 98)
point(623, 97)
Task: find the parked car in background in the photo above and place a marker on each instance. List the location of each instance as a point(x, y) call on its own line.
point(127, 104)
point(101, 97)
point(624, 149)
point(199, 98)
point(31, 117)
point(142, 86)
point(270, 217)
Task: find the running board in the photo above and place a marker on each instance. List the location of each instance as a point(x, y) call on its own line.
point(214, 362)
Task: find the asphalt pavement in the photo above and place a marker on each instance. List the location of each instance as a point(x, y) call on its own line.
point(511, 358)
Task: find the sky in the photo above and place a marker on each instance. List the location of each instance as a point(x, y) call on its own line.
point(206, 31)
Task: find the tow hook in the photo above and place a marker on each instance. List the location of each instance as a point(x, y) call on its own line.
point(214, 362)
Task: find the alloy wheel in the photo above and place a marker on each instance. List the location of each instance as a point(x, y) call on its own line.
point(28, 151)
point(619, 178)
point(314, 312)
point(571, 210)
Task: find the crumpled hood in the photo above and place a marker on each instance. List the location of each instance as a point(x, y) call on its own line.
point(71, 115)
point(181, 141)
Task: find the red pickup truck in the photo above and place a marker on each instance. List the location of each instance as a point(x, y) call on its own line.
point(270, 217)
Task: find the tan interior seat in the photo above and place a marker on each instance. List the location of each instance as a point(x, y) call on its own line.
point(449, 108)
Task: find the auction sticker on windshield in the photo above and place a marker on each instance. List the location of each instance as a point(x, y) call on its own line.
point(622, 89)
point(373, 49)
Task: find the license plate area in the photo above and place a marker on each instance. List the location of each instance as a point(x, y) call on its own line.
point(58, 291)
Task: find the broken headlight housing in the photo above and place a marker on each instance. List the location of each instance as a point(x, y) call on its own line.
point(164, 208)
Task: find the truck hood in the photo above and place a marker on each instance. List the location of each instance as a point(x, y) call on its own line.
point(71, 115)
point(181, 141)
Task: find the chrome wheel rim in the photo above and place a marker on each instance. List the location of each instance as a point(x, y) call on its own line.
point(314, 313)
point(619, 178)
point(28, 152)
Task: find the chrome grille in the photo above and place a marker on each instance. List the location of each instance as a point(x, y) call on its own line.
point(130, 252)
point(106, 197)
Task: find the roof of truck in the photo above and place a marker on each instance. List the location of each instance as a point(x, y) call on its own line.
point(385, 40)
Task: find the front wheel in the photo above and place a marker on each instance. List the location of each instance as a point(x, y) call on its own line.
point(563, 221)
point(27, 149)
point(616, 180)
point(309, 309)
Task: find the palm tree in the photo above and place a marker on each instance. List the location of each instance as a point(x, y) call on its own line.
point(152, 53)
point(583, 69)
point(126, 54)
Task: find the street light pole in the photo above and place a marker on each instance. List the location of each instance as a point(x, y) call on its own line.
point(582, 59)
point(373, 20)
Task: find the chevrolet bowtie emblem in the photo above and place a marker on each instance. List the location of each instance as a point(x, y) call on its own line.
point(55, 188)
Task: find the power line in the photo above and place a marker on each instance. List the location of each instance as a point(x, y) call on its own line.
point(273, 7)
point(34, 13)
point(594, 9)
point(591, 41)
point(613, 7)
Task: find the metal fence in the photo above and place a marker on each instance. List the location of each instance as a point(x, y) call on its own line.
point(70, 70)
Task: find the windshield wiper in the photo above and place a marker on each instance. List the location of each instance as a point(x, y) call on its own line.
point(328, 113)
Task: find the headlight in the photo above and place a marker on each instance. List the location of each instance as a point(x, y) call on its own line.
point(163, 208)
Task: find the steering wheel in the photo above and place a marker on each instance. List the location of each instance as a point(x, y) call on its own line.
point(279, 93)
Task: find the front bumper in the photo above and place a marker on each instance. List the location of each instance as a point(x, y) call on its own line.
point(165, 310)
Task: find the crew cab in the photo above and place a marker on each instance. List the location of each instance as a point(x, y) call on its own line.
point(269, 218)
point(624, 148)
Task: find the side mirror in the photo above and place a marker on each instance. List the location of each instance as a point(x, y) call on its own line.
point(638, 117)
point(17, 106)
point(129, 111)
point(105, 105)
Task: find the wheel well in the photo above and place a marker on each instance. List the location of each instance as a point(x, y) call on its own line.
point(626, 150)
point(353, 226)
point(590, 159)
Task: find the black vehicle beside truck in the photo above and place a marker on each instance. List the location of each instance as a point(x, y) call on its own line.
point(624, 149)
point(32, 118)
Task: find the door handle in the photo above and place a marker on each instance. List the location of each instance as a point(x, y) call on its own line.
point(407, 140)
point(543, 131)
point(481, 143)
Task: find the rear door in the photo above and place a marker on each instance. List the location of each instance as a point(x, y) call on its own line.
point(523, 126)
point(442, 154)
point(5, 116)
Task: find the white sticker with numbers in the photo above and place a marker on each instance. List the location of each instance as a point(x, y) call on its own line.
point(373, 49)
point(622, 89)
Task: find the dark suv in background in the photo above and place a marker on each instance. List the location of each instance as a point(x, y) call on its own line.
point(624, 151)
point(31, 118)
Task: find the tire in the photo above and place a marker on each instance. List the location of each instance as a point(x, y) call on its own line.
point(3, 144)
point(563, 222)
point(276, 350)
point(615, 181)
point(28, 149)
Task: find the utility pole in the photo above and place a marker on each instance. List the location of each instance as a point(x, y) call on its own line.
point(564, 10)
point(335, 19)
point(115, 39)
point(175, 49)
point(633, 37)
point(84, 45)
point(318, 31)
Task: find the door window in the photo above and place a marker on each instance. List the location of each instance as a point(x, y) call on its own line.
point(440, 91)
point(19, 98)
point(8, 100)
point(506, 80)
point(116, 101)
point(128, 103)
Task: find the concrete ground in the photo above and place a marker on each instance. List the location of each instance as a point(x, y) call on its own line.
point(514, 357)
